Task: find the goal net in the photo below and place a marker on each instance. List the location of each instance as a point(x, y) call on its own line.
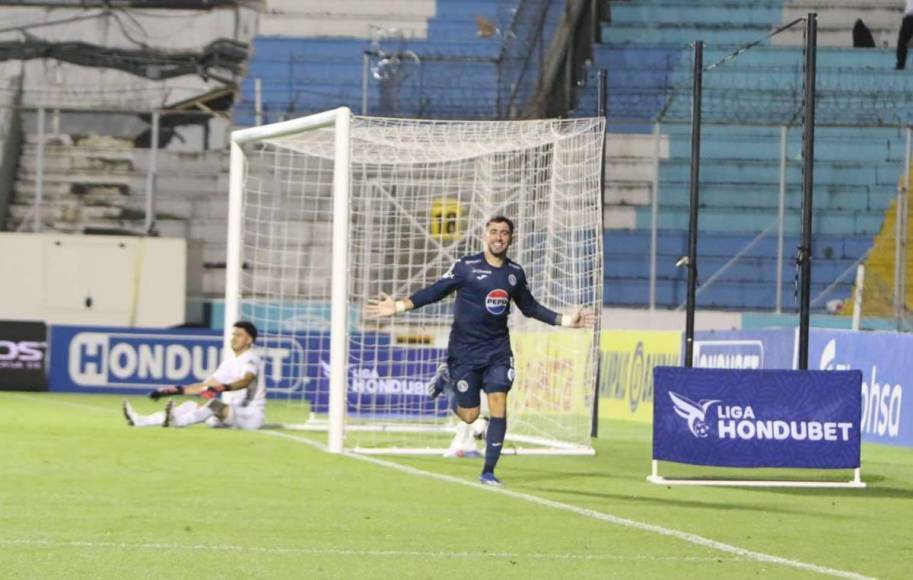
point(330, 210)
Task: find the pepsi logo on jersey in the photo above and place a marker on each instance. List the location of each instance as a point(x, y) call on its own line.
point(496, 301)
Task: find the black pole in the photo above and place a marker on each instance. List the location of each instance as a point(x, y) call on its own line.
point(804, 255)
point(691, 264)
point(602, 109)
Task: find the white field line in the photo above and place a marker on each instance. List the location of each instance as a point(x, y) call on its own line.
point(48, 398)
point(741, 553)
point(350, 552)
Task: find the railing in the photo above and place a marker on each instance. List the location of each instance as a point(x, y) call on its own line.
point(161, 127)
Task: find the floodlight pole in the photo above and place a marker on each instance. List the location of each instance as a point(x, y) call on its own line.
point(690, 261)
point(804, 253)
point(602, 110)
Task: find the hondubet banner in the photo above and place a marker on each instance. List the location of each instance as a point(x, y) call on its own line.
point(757, 418)
point(884, 359)
point(383, 378)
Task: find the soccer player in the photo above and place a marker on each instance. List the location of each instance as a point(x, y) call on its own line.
point(234, 396)
point(479, 356)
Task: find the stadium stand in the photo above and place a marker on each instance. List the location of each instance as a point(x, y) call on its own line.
point(469, 59)
point(859, 144)
point(451, 61)
point(309, 58)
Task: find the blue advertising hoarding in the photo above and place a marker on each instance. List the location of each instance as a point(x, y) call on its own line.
point(744, 349)
point(757, 418)
point(384, 379)
point(884, 359)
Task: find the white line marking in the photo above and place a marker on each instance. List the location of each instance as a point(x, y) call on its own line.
point(619, 521)
point(353, 552)
point(46, 398)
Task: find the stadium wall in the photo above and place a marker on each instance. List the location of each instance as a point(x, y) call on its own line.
point(116, 280)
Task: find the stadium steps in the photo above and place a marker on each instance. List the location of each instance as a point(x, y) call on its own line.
point(646, 55)
point(627, 268)
point(304, 71)
point(723, 244)
point(346, 18)
point(746, 269)
point(740, 219)
point(738, 296)
point(837, 17)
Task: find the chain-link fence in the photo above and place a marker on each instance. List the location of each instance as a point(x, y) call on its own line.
point(751, 178)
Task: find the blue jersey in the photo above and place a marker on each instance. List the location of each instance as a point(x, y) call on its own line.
point(479, 333)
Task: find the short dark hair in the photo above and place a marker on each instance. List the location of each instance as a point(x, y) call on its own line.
point(247, 327)
point(500, 219)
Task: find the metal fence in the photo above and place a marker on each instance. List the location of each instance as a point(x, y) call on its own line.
point(103, 169)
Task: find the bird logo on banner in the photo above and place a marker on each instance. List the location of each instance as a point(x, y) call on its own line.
point(694, 413)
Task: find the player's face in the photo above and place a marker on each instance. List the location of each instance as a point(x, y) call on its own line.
point(240, 340)
point(498, 238)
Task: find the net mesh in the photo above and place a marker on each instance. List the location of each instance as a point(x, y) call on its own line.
point(421, 192)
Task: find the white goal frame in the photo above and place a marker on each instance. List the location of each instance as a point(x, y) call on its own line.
point(340, 119)
point(342, 122)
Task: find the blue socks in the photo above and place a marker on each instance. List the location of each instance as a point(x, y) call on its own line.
point(494, 441)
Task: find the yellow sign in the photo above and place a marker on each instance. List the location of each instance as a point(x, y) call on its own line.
point(554, 372)
point(445, 219)
point(626, 370)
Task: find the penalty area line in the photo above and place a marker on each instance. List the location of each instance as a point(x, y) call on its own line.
point(695, 539)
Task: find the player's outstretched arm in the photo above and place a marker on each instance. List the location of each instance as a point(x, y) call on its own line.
point(189, 390)
point(579, 318)
point(386, 306)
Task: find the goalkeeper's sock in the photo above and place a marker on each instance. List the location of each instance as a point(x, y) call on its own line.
point(196, 415)
point(494, 441)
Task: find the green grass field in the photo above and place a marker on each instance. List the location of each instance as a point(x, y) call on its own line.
point(83, 496)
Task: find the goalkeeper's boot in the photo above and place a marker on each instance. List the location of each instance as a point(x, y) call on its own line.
point(439, 381)
point(488, 478)
point(129, 413)
point(169, 419)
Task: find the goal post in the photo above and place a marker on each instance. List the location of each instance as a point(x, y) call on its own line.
point(329, 210)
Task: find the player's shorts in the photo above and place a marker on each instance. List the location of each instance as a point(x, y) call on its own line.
point(249, 418)
point(469, 380)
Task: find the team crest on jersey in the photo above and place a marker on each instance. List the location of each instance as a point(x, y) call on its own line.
point(496, 301)
point(512, 279)
point(462, 386)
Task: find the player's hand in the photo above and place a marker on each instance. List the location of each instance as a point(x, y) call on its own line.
point(386, 306)
point(166, 392)
point(212, 392)
point(582, 318)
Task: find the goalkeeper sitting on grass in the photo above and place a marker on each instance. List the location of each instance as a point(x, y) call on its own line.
point(479, 356)
point(233, 395)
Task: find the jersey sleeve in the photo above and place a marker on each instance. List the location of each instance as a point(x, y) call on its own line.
point(251, 365)
point(530, 307)
point(449, 282)
point(223, 374)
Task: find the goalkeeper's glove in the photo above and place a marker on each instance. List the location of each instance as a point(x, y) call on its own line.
point(166, 392)
point(213, 392)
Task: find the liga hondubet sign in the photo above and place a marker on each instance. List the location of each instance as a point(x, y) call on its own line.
point(757, 418)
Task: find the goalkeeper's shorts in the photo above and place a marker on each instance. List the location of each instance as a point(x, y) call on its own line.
point(249, 418)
